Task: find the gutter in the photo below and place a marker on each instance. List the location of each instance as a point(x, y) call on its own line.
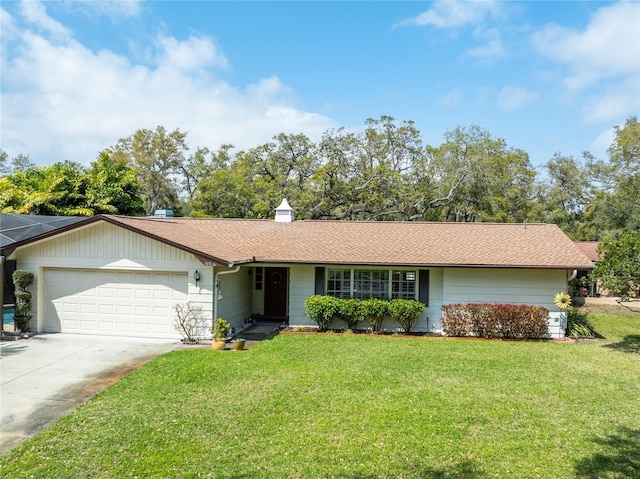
point(216, 288)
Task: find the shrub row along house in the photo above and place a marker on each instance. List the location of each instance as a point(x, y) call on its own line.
point(117, 275)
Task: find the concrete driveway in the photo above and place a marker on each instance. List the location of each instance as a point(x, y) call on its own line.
point(46, 376)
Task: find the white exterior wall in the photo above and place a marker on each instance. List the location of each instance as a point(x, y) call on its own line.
point(510, 286)
point(235, 305)
point(102, 246)
point(454, 285)
point(301, 286)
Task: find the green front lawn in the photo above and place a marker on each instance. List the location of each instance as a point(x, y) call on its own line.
point(349, 406)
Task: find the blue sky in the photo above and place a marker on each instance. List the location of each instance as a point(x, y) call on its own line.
point(548, 77)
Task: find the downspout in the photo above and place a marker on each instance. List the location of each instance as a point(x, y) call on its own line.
point(216, 289)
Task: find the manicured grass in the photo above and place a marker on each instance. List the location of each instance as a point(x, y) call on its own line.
point(348, 406)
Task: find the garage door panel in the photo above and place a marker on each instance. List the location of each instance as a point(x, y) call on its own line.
point(142, 293)
point(123, 327)
point(142, 311)
point(124, 293)
point(106, 309)
point(87, 301)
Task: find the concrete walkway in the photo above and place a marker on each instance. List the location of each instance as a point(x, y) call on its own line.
point(46, 376)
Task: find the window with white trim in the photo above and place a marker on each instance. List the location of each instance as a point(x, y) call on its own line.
point(403, 285)
point(339, 283)
point(371, 283)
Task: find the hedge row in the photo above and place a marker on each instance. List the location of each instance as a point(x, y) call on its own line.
point(495, 320)
point(325, 309)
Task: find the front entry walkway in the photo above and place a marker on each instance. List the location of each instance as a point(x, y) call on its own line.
point(259, 331)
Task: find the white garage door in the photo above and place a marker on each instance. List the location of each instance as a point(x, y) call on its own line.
point(123, 303)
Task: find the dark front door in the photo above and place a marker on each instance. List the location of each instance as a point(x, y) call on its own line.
point(275, 292)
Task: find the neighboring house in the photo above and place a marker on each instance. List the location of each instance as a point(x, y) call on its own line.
point(119, 275)
point(589, 249)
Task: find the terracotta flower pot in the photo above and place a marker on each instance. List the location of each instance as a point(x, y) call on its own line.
point(218, 344)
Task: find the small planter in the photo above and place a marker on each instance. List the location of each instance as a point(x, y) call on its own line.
point(218, 344)
point(239, 344)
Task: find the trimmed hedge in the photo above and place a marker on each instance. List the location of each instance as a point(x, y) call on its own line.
point(325, 309)
point(22, 315)
point(405, 312)
point(508, 321)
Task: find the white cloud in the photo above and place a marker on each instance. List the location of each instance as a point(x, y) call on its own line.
point(454, 13)
point(35, 14)
point(491, 50)
point(451, 98)
point(511, 98)
point(614, 101)
point(608, 47)
point(62, 101)
point(603, 141)
point(110, 8)
point(190, 55)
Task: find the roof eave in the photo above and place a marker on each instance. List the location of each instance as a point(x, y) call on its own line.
point(415, 265)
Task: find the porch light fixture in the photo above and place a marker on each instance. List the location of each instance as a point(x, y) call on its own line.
point(196, 276)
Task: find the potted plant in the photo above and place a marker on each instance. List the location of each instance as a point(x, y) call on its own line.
point(239, 343)
point(220, 330)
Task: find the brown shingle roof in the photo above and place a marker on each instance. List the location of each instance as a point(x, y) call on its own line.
point(226, 241)
point(588, 248)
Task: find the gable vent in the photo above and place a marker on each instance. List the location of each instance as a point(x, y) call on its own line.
point(284, 212)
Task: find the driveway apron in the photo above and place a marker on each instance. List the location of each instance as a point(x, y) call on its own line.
point(46, 376)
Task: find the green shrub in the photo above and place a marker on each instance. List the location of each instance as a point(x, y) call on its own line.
point(22, 316)
point(23, 279)
point(508, 321)
point(220, 328)
point(578, 324)
point(405, 312)
point(374, 310)
point(348, 312)
point(322, 310)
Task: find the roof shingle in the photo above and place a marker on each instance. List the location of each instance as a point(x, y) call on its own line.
point(368, 243)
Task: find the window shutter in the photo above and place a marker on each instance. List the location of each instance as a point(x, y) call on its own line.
point(319, 280)
point(423, 292)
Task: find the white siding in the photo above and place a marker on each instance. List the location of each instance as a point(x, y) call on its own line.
point(455, 285)
point(104, 247)
point(235, 305)
point(301, 286)
point(511, 286)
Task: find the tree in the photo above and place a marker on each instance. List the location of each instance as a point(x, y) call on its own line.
point(564, 195)
point(616, 205)
point(4, 167)
point(226, 192)
point(113, 187)
point(480, 178)
point(69, 189)
point(58, 189)
point(619, 265)
point(157, 156)
point(20, 163)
